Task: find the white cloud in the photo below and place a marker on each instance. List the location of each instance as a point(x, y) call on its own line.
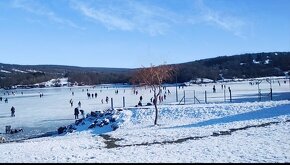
point(142, 16)
point(145, 17)
point(36, 8)
point(127, 15)
point(223, 20)
point(106, 17)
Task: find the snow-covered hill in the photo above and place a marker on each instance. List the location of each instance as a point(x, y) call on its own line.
point(240, 132)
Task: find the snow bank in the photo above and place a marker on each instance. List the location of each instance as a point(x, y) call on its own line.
point(138, 140)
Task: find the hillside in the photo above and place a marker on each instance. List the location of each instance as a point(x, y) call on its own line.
point(236, 66)
point(224, 67)
point(12, 74)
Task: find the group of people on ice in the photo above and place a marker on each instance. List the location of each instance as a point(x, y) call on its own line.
point(6, 100)
point(77, 110)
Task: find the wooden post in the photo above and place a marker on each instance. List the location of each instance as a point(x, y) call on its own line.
point(259, 91)
point(224, 95)
point(184, 96)
point(230, 95)
point(112, 104)
point(205, 97)
point(123, 101)
point(176, 92)
point(194, 96)
point(270, 82)
point(260, 95)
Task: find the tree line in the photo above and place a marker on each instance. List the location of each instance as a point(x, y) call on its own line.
point(248, 65)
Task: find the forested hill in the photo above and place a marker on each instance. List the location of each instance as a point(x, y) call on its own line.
point(237, 66)
point(248, 65)
point(13, 74)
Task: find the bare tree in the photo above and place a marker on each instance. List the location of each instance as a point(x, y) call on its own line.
point(153, 77)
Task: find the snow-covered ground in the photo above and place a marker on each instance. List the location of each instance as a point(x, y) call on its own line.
point(4, 71)
point(17, 70)
point(242, 131)
point(61, 82)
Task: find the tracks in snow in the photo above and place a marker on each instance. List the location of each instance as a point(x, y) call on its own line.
point(111, 142)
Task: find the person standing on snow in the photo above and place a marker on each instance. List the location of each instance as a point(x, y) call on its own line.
point(76, 113)
point(82, 113)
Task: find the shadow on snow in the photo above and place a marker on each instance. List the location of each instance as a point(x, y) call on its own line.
point(258, 114)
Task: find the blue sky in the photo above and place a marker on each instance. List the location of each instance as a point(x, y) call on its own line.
point(135, 33)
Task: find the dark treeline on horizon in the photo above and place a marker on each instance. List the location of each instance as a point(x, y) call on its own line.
point(248, 65)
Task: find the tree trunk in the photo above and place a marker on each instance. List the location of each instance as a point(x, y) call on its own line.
point(156, 111)
point(156, 115)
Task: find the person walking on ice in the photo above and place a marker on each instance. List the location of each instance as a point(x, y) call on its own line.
point(71, 102)
point(107, 99)
point(12, 111)
point(80, 104)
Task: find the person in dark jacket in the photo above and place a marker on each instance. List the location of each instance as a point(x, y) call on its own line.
point(12, 111)
point(76, 113)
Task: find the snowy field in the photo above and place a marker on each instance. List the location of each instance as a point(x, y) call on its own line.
point(244, 130)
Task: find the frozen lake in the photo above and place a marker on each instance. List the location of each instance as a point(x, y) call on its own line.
point(38, 115)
